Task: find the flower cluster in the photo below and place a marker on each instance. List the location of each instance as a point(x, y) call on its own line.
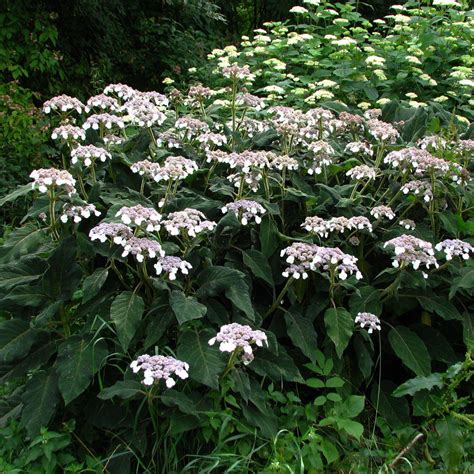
point(303, 257)
point(89, 153)
point(77, 213)
point(455, 248)
point(143, 113)
point(171, 266)
point(281, 162)
point(174, 168)
point(322, 227)
point(45, 178)
point(411, 250)
point(140, 216)
point(68, 132)
point(158, 367)
point(362, 171)
point(370, 320)
point(120, 90)
point(360, 147)
point(237, 337)
point(408, 224)
point(190, 222)
point(382, 211)
point(141, 247)
point(322, 155)
point(382, 131)
point(192, 126)
point(118, 233)
point(211, 139)
point(145, 168)
point(418, 187)
point(245, 210)
point(168, 139)
point(103, 102)
point(107, 120)
point(63, 103)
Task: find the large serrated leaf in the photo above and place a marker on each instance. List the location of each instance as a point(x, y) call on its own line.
point(410, 349)
point(410, 387)
point(451, 442)
point(302, 334)
point(126, 312)
point(340, 326)
point(78, 361)
point(93, 283)
point(185, 307)
point(27, 240)
point(18, 192)
point(258, 264)
point(40, 398)
point(16, 339)
point(205, 362)
point(26, 270)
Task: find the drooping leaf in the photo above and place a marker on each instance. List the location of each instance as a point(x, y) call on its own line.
point(268, 236)
point(78, 361)
point(64, 274)
point(468, 330)
point(464, 281)
point(185, 307)
point(302, 334)
point(451, 442)
point(277, 367)
point(23, 271)
point(410, 349)
point(439, 305)
point(206, 362)
point(16, 339)
point(351, 427)
point(239, 294)
point(126, 312)
point(340, 326)
point(394, 410)
point(40, 398)
point(15, 194)
point(93, 283)
point(26, 295)
point(26, 240)
point(410, 387)
point(364, 358)
point(368, 300)
point(258, 264)
point(124, 389)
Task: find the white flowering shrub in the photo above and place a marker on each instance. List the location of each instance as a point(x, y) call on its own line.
point(199, 271)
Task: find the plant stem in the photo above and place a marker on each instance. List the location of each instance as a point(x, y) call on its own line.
point(278, 299)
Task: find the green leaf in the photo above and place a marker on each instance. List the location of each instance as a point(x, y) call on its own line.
point(239, 294)
point(27, 240)
point(277, 367)
point(93, 283)
point(205, 362)
point(40, 398)
point(78, 361)
point(366, 300)
point(340, 326)
point(334, 382)
point(126, 312)
point(16, 339)
point(23, 271)
point(395, 410)
point(18, 192)
point(351, 427)
point(26, 295)
point(185, 307)
point(451, 442)
point(320, 401)
point(64, 274)
point(468, 330)
point(364, 358)
point(267, 422)
point(351, 407)
point(268, 236)
point(329, 450)
point(439, 305)
point(258, 264)
point(315, 383)
point(464, 281)
point(213, 280)
point(124, 389)
point(410, 349)
point(410, 387)
point(302, 334)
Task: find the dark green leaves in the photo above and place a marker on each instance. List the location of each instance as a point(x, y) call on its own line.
point(40, 398)
point(302, 333)
point(78, 361)
point(126, 312)
point(411, 350)
point(185, 307)
point(123, 389)
point(451, 442)
point(340, 326)
point(16, 339)
point(410, 387)
point(258, 264)
point(206, 362)
point(268, 236)
point(93, 283)
point(27, 240)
